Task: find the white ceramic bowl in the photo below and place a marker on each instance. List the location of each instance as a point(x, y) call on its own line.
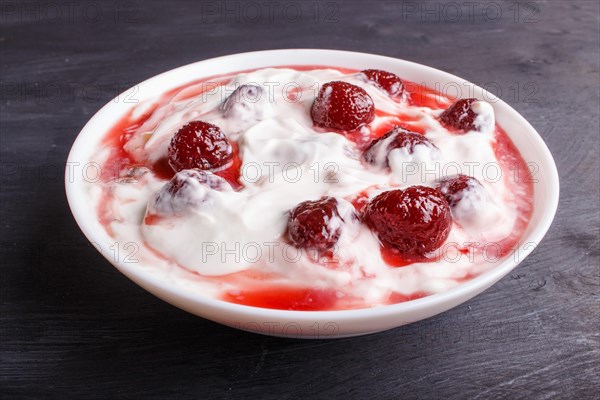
point(313, 324)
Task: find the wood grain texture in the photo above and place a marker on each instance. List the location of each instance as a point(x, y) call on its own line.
point(73, 327)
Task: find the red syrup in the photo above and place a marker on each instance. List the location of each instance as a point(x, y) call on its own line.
point(285, 298)
point(396, 297)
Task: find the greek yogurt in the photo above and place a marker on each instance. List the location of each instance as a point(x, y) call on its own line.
point(230, 240)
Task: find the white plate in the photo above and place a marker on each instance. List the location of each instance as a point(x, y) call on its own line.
point(312, 324)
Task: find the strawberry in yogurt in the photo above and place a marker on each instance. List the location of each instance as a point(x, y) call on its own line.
point(312, 188)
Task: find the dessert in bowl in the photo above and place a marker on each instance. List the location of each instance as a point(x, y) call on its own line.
point(312, 188)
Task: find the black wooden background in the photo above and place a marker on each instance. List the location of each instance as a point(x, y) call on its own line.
point(73, 327)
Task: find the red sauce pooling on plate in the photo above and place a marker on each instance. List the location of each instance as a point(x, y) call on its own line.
point(285, 298)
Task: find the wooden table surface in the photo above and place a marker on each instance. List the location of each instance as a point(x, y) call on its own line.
point(73, 327)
